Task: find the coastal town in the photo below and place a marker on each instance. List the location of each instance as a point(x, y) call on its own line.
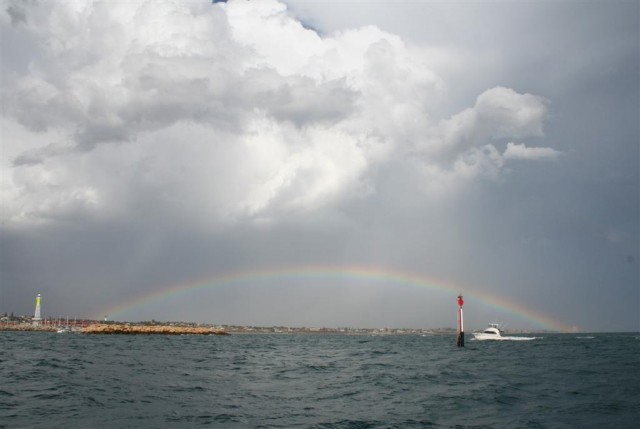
point(10, 322)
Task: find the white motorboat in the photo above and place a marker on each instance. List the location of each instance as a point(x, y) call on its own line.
point(493, 332)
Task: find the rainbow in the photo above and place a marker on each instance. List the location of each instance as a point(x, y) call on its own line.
point(362, 273)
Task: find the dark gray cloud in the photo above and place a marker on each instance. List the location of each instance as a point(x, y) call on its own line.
point(148, 145)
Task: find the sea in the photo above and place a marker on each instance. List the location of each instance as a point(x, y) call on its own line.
point(50, 380)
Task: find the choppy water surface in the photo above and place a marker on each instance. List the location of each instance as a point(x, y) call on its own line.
point(317, 381)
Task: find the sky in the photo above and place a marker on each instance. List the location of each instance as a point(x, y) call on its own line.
point(322, 163)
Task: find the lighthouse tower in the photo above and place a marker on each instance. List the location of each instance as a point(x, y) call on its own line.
point(37, 319)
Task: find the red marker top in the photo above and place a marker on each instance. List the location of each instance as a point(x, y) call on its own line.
point(460, 301)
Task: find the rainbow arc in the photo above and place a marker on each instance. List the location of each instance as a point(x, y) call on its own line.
point(362, 273)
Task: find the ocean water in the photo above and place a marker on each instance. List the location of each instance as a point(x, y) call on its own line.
point(50, 380)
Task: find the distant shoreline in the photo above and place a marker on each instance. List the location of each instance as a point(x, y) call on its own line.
point(127, 329)
point(121, 329)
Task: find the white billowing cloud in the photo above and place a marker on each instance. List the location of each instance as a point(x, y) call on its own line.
point(107, 71)
point(232, 111)
point(520, 151)
point(502, 112)
point(498, 113)
point(461, 148)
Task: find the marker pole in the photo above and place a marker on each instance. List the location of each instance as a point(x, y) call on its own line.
point(460, 340)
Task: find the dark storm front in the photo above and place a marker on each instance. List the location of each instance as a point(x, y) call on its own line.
point(317, 381)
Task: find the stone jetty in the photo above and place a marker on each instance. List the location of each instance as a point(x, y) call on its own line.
point(27, 328)
point(125, 329)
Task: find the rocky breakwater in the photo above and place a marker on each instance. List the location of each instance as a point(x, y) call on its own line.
point(27, 328)
point(124, 329)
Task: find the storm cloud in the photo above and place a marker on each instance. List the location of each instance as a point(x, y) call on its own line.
point(153, 143)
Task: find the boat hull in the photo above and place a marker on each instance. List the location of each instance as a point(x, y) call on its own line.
point(486, 337)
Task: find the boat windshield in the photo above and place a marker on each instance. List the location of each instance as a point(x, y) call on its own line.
point(490, 332)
